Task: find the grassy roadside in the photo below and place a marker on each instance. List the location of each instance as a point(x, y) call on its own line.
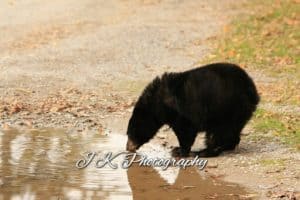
point(267, 42)
point(268, 39)
point(269, 123)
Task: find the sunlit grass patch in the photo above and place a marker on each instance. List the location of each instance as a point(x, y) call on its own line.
point(272, 162)
point(269, 39)
point(285, 126)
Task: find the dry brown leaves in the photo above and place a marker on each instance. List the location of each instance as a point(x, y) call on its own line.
point(12, 107)
point(283, 195)
point(70, 100)
point(279, 92)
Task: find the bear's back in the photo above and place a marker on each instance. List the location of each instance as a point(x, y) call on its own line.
point(216, 88)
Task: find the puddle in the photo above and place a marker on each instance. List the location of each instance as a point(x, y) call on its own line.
point(42, 165)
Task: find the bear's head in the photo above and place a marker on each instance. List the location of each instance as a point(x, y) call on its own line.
point(142, 127)
point(146, 118)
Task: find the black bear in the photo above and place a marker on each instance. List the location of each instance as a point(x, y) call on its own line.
point(217, 98)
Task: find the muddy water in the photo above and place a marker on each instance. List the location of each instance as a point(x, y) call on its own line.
point(41, 165)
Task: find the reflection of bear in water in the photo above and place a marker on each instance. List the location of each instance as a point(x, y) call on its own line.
point(147, 183)
point(218, 99)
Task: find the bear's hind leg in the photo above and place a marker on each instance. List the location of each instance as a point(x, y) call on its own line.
point(225, 136)
point(219, 140)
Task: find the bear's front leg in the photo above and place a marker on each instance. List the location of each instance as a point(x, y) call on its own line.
point(186, 140)
point(186, 134)
point(179, 152)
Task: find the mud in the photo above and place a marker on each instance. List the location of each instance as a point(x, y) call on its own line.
point(41, 164)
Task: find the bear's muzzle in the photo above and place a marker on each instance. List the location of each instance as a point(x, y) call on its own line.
point(131, 146)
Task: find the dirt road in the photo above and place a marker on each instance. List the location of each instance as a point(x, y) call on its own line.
point(99, 51)
point(80, 65)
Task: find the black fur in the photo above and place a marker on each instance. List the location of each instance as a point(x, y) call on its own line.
point(217, 98)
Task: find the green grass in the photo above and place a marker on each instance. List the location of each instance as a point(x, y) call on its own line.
point(265, 122)
point(268, 40)
point(272, 162)
point(284, 126)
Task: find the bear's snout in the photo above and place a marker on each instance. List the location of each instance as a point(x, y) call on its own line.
point(131, 146)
